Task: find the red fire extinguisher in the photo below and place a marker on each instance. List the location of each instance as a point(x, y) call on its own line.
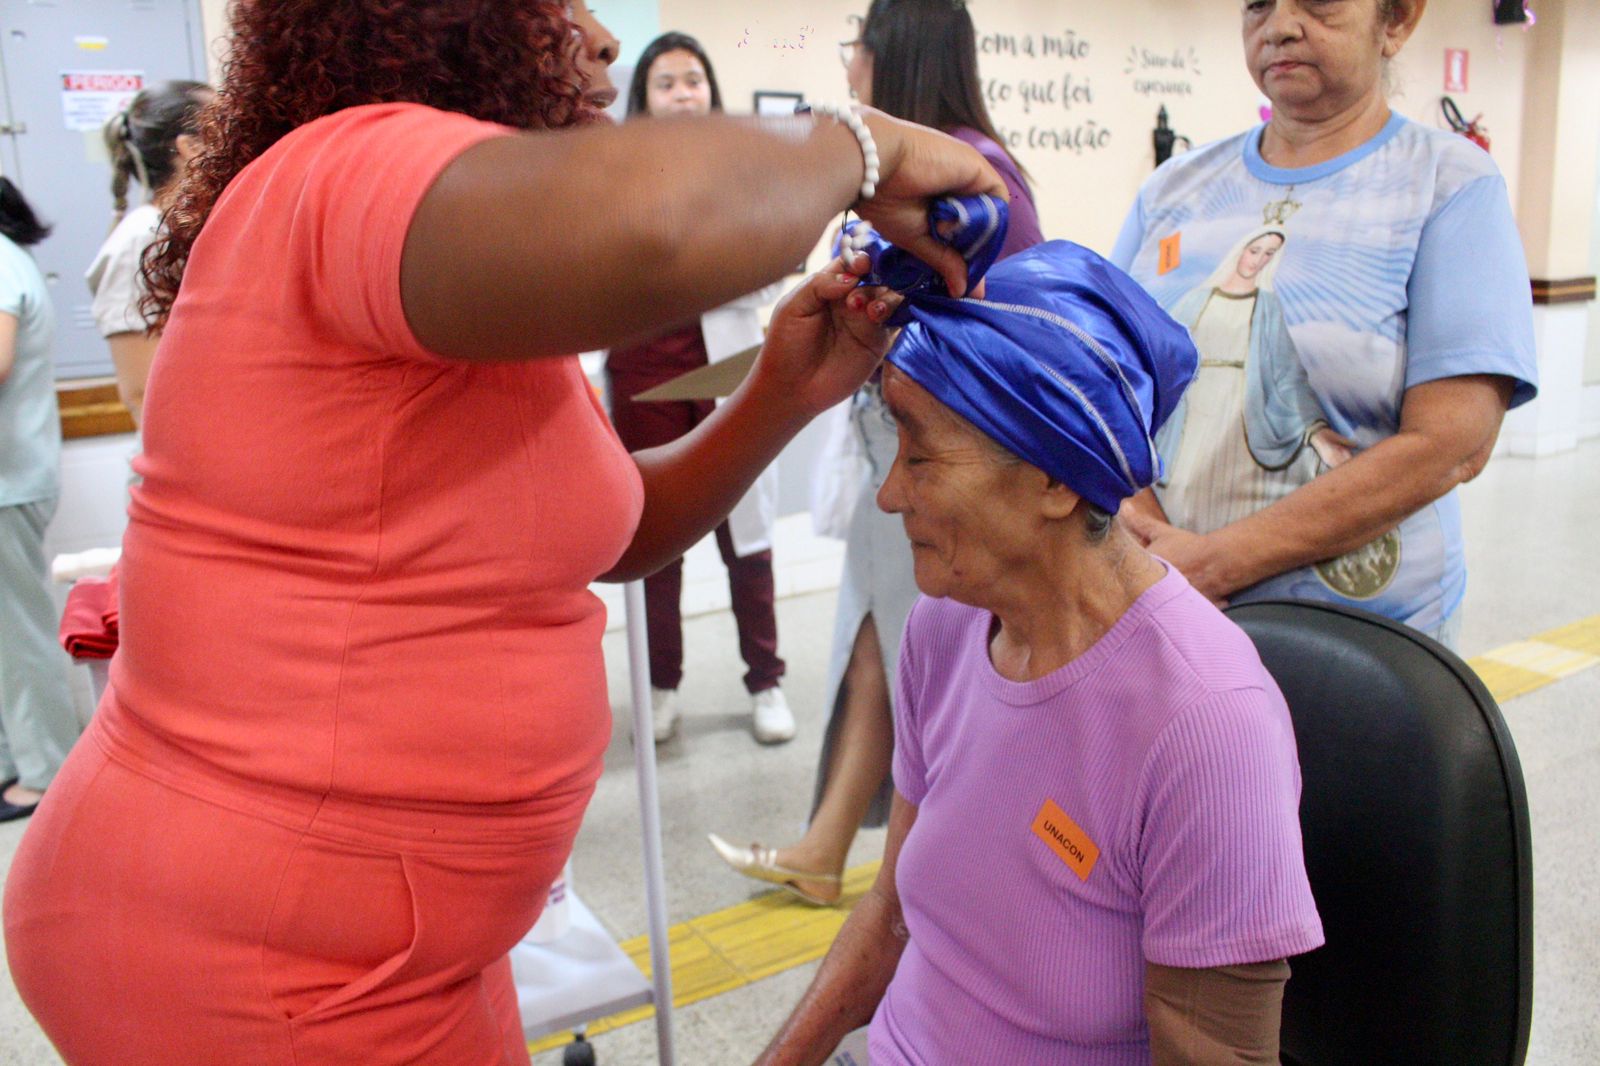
point(1474, 131)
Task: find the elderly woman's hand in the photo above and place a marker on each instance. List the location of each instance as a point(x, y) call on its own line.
point(915, 165)
point(826, 338)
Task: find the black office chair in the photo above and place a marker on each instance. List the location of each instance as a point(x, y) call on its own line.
point(1417, 845)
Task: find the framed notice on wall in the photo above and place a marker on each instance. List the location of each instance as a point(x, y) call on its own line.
point(776, 103)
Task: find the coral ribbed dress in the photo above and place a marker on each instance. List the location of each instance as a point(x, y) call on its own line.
point(360, 704)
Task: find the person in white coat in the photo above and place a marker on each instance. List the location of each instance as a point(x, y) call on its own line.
point(674, 76)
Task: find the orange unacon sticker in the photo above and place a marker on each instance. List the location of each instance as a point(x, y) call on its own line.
point(1064, 836)
point(1171, 255)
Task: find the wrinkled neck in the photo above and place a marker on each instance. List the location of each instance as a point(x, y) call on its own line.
point(1291, 141)
point(1054, 612)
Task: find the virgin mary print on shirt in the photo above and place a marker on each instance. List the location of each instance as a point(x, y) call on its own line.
point(1250, 430)
point(1317, 296)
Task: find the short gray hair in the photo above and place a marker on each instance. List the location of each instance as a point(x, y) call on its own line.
point(1097, 522)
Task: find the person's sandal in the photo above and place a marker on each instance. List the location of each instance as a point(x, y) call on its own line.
point(760, 864)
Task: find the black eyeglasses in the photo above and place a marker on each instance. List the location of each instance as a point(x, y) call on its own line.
point(847, 49)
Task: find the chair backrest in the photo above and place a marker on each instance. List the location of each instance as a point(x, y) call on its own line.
point(1417, 844)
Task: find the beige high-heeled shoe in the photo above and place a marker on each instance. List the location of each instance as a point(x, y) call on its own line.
point(761, 864)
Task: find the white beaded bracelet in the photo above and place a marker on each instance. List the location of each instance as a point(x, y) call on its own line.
point(858, 241)
point(850, 117)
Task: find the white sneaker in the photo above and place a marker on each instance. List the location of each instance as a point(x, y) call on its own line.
point(664, 712)
point(773, 721)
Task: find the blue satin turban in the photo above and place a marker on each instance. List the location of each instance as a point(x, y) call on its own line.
point(1066, 362)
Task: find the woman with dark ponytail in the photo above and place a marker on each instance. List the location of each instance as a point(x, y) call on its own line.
point(37, 725)
point(151, 143)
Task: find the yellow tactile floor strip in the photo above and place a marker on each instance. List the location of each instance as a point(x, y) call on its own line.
point(727, 949)
point(1521, 667)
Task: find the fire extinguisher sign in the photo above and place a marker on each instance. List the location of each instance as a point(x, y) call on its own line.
point(1455, 70)
point(90, 97)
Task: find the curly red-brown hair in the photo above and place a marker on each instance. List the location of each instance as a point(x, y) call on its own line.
point(293, 61)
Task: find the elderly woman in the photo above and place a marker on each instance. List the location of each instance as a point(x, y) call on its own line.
point(1357, 290)
point(1094, 853)
point(360, 704)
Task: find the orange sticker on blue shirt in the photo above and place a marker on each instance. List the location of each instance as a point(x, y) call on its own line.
point(1171, 254)
point(1066, 838)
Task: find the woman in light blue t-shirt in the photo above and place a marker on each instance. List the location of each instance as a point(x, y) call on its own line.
point(37, 724)
point(1357, 290)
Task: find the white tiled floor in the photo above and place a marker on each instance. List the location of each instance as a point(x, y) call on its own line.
point(1531, 545)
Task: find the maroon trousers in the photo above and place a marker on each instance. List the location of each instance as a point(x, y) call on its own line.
point(648, 425)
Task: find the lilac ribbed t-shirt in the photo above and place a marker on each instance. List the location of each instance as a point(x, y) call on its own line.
point(1167, 747)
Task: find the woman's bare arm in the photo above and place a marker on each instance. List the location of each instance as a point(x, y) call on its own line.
point(550, 243)
point(8, 345)
point(131, 355)
point(826, 337)
point(857, 970)
point(1447, 431)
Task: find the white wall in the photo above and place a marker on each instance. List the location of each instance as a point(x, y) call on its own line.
point(1591, 369)
point(1077, 84)
point(94, 494)
point(1108, 67)
point(214, 17)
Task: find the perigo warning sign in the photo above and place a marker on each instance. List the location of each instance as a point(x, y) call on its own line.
point(90, 97)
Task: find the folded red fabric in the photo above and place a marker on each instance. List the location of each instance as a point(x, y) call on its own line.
point(89, 623)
